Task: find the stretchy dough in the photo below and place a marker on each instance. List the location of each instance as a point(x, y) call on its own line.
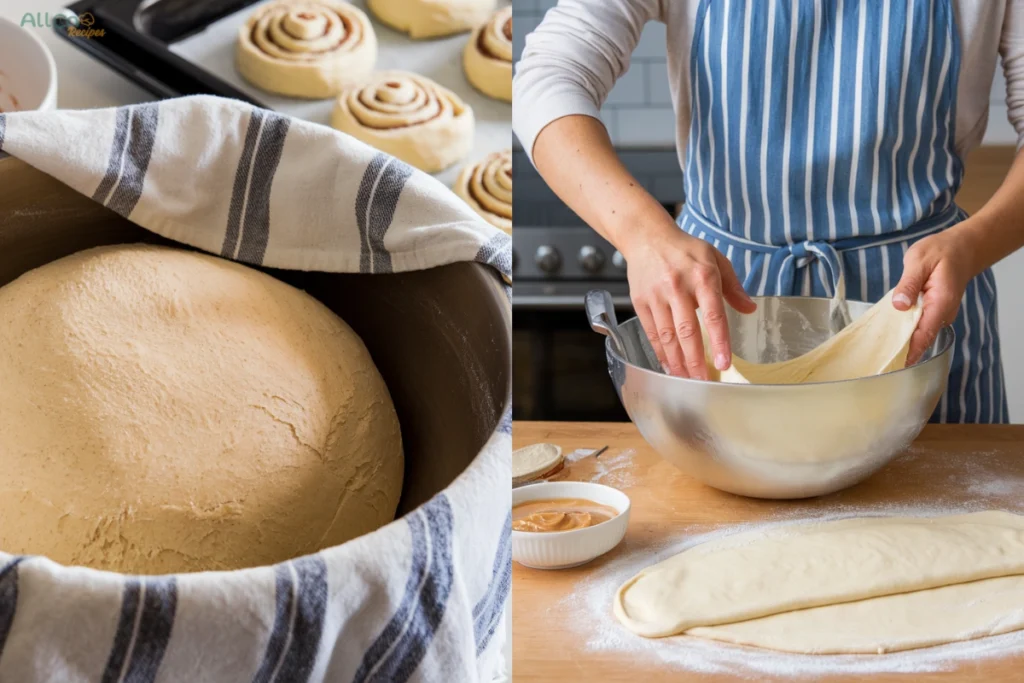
point(167, 411)
point(306, 48)
point(488, 56)
point(863, 585)
point(432, 18)
point(408, 116)
point(875, 343)
point(487, 187)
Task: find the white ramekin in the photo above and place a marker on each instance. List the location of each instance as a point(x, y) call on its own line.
point(27, 69)
point(563, 549)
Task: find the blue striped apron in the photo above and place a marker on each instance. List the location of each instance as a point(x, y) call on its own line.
point(822, 147)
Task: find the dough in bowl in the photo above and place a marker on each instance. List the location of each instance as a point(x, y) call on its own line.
point(431, 18)
point(168, 411)
point(487, 187)
point(487, 57)
point(306, 48)
point(408, 116)
point(875, 343)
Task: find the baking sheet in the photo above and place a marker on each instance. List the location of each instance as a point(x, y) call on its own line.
point(440, 60)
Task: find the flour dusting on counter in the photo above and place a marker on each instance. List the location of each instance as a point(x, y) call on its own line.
point(610, 468)
point(588, 610)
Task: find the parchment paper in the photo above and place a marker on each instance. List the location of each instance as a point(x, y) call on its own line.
point(440, 60)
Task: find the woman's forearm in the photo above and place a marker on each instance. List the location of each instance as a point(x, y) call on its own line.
point(577, 160)
point(997, 229)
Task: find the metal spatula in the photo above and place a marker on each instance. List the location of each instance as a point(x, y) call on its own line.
point(601, 312)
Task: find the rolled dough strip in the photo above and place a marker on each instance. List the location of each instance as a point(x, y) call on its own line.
point(890, 623)
point(754, 575)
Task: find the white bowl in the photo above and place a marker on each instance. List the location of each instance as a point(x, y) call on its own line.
point(28, 74)
point(564, 549)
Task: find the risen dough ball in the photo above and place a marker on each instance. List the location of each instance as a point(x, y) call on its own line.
point(167, 411)
point(431, 18)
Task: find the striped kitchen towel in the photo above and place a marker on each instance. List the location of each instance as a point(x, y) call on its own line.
point(265, 189)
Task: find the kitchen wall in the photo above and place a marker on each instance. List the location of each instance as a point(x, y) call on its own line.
point(638, 114)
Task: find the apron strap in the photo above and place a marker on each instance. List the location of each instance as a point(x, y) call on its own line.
point(785, 260)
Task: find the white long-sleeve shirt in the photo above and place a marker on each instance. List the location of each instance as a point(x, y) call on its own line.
point(572, 60)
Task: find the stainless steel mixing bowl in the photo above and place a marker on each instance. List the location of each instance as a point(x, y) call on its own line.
point(778, 441)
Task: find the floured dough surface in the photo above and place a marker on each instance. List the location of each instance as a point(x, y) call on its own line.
point(167, 411)
point(409, 116)
point(487, 57)
point(875, 343)
point(487, 187)
point(431, 18)
point(306, 48)
point(863, 585)
point(534, 461)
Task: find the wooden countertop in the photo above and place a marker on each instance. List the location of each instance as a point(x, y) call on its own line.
point(948, 466)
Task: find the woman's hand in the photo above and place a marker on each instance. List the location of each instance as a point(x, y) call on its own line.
point(669, 279)
point(939, 267)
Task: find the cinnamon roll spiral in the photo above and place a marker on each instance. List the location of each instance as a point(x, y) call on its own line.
point(408, 116)
point(306, 48)
point(487, 187)
point(488, 56)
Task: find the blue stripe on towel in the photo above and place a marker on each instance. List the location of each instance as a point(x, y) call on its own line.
point(256, 221)
point(143, 630)
point(159, 605)
point(487, 612)
point(8, 598)
point(376, 202)
point(144, 121)
point(301, 588)
point(238, 192)
point(497, 252)
point(122, 120)
point(400, 648)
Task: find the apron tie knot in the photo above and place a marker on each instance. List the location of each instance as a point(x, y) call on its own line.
point(786, 260)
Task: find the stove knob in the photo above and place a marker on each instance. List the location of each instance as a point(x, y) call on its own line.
point(548, 259)
point(618, 260)
point(591, 259)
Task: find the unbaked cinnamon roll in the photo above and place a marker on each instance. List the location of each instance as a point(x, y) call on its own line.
point(408, 116)
point(487, 187)
point(306, 48)
point(432, 18)
point(488, 56)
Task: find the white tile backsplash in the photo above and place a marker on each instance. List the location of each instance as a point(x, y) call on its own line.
point(645, 126)
point(652, 42)
point(658, 94)
point(630, 89)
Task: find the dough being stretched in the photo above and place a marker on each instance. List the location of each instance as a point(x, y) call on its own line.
point(875, 343)
point(863, 585)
